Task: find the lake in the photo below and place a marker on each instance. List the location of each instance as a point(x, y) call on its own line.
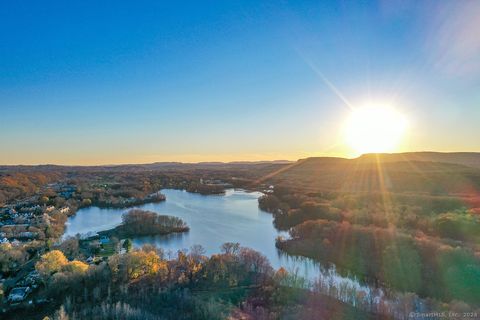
point(214, 220)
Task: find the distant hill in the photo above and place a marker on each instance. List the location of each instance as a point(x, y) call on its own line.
point(430, 172)
point(425, 172)
point(161, 166)
point(470, 159)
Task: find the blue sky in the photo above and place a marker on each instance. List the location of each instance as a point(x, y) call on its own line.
point(126, 82)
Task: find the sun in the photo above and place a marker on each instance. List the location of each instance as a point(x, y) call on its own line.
point(375, 129)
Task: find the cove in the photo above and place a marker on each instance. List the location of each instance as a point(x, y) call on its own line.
point(214, 220)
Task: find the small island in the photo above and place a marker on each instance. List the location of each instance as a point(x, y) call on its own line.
point(138, 222)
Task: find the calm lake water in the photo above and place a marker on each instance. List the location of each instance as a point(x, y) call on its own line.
point(216, 219)
point(213, 220)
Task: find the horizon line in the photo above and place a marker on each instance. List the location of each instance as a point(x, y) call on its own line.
point(226, 162)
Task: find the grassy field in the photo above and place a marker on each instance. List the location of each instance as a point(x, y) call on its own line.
point(108, 249)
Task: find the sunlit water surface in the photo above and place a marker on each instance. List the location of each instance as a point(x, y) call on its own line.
point(213, 220)
point(235, 217)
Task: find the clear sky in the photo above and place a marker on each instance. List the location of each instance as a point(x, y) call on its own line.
point(96, 82)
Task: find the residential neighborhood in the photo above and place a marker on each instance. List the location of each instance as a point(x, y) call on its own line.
point(35, 224)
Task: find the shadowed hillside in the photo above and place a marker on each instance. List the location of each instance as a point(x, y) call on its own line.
point(384, 173)
point(470, 159)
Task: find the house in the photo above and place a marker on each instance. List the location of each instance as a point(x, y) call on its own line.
point(65, 191)
point(27, 235)
point(41, 219)
point(65, 210)
point(18, 294)
point(104, 240)
point(66, 194)
point(31, 280)
point(7, 211)
point(33, 208)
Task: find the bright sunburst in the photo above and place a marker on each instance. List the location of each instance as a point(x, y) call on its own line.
point(375, 129)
